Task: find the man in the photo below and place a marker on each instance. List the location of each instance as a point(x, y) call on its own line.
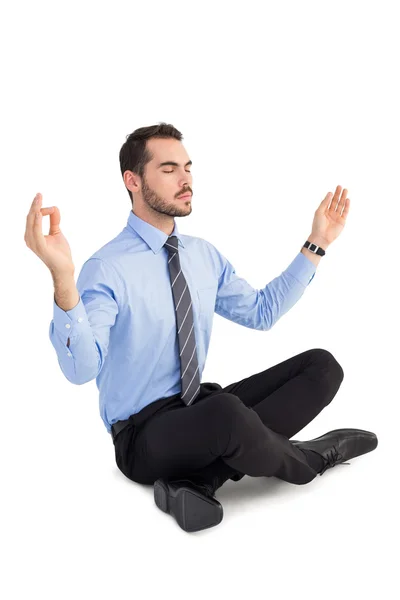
point(139, 320)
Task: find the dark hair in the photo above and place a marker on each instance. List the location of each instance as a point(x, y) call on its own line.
point(134, 154)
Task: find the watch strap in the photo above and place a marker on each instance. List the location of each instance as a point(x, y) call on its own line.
point(314, 248)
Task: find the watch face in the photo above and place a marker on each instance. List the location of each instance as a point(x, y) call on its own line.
point(313, 247)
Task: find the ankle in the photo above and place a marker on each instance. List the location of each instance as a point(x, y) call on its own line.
point(314, 459)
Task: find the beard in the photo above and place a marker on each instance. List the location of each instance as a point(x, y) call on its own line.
point(178, 208)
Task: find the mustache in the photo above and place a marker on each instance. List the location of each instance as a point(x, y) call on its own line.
point(184, 193)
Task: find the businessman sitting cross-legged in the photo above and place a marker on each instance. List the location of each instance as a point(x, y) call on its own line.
point(139, 320)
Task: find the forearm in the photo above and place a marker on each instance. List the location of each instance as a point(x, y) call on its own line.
point(314, 258)
point(66, 295)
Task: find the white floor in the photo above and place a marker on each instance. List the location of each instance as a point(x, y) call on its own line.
point(75, 527)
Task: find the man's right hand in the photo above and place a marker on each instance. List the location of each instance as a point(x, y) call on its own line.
point(52, 249)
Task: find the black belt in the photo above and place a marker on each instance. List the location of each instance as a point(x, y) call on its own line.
point(162, 403)
point(119, 426)
point(139, 418)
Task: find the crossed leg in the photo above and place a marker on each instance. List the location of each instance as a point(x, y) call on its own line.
point(286, 397)
point(218, 437)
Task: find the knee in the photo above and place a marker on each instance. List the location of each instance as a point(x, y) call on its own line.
point(331, 367)
point(329, 374)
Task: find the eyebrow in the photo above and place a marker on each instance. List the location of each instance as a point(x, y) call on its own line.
point(174, 164)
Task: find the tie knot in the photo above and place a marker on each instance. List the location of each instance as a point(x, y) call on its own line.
point(172, 244)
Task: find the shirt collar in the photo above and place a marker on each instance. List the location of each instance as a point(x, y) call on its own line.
point(154, 237)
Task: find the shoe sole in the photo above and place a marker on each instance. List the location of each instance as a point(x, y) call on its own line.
point(192, 511)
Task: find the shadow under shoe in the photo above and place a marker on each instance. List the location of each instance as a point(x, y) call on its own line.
point(340, 445)
point(192, 504)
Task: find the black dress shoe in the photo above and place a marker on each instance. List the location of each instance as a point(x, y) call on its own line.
point(339, 445)
point(192, 504)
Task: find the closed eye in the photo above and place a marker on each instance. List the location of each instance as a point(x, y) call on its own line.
point(172, 171)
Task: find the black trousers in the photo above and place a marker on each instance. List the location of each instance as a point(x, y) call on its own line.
point(241, 429)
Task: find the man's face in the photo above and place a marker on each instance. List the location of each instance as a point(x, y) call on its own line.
point(163, 185)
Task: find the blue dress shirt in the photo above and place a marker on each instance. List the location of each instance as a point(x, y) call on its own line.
point(123, 329)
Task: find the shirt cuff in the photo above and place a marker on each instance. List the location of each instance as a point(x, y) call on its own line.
point(69, 323)
point(302, 269)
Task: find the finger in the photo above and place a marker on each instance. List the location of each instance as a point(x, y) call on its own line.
point(49, 210)
point(38, 237)
point(55, 218)
point(31, 214)
point(37, 232)
point(342, 201)
point(335, 198)
point(34, 231)
point(30, 219)
point(324, 204)
point(346, 208)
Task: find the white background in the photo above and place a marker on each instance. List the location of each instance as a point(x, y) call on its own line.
point(278, 103)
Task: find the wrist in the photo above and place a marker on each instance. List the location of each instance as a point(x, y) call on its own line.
point(319, 241)
point(62, 277)
point(312, 256)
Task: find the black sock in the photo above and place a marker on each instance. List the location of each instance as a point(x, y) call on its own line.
point(314, 459)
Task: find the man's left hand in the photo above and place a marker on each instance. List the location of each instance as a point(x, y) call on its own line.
point(329, 219)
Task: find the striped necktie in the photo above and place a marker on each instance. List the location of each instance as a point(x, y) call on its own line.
point(190, 377)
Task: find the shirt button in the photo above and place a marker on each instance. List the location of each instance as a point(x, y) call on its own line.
point(80, 320)
point(67, 325)
point(69, 354)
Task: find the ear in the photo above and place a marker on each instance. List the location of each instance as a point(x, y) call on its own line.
point(132, 181)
